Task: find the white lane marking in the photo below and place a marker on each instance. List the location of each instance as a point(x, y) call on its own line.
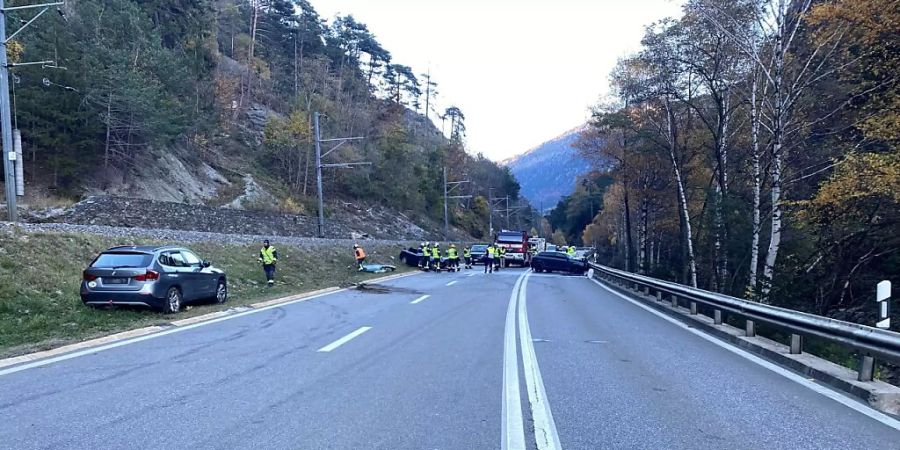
point(850, 403)
point(344, 340)
point(452, 283)
point(545, 435)
point(90, 351)
point(419, 300)
point(513, 429)
point(472, 274)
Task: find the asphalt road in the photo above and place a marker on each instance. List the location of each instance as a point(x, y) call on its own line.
point(454, 370)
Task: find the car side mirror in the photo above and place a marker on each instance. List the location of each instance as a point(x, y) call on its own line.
point(206, 264)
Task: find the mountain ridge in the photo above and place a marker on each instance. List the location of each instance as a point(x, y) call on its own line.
point(547, 172)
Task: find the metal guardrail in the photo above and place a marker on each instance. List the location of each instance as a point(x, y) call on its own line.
point(869, 341)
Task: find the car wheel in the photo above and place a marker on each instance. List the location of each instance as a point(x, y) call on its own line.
point(403, 259)
point(173, 301)
point(221, 292)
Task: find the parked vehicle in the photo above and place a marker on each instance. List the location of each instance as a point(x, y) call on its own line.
point(516, 245)
point(411, 256)
point(537, 245)
point(161, 277)
point(559, 262)
point(479, 251)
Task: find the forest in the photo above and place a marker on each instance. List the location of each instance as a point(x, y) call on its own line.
point(132, 79)
point(755, 153)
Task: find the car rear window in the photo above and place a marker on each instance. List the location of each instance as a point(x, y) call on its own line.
point(479, 247)
point(122, 260)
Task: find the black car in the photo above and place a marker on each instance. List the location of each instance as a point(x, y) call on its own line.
point(411, 256)
point(161, 277)
point(478, 252)
point(558, 261)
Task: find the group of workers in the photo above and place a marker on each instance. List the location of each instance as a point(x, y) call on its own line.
point(432, 259)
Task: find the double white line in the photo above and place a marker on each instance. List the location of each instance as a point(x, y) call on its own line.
point(513, 432)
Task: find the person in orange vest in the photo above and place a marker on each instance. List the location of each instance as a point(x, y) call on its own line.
point(360, 255)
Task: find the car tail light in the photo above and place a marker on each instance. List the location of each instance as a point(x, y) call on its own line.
point(149, 276)
point(88, 277)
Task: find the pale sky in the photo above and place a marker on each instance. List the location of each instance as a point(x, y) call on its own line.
point(521, 71)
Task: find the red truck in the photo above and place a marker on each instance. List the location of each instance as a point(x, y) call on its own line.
point(516, 245)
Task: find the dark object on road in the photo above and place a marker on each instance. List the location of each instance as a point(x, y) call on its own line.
point(478, 252)
point(161, 277)
point(376, 268)
point(411, 256)
point(558, 261)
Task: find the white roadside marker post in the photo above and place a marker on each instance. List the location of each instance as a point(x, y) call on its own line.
point(883, 299)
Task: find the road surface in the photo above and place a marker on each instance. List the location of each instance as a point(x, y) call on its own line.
point(439, 361)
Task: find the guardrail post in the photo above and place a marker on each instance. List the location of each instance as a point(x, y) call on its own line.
point(674, 301)
point(718, 317)
point(646, 290)
point(693, 308)
point(659, 296)
point(796, 344)
point(866, 368)
point(750, 328)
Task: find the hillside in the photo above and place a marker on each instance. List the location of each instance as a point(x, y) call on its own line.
point(212, 103)
point(548, 172)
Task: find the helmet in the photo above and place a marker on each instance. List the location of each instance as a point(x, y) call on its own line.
point(452, 245)
point(437, 244)
point(355, 245)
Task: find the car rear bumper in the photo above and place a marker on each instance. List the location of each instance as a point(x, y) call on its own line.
point(144, 297)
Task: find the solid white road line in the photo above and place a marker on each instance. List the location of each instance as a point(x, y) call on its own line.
point(452, 283)
point(92, 350)
point(419, 300)
point(513, 429)
point(545, 434)
point(472, 274)
point(344, 339)
point(840, 398)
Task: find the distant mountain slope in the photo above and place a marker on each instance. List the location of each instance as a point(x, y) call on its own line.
point(548, 172)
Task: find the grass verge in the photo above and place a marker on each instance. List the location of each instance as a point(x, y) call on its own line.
point(40, 274)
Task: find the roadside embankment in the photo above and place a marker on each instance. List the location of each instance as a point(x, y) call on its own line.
point(41, 265)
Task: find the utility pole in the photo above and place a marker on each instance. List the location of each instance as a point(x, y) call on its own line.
point(320, 166)
point(9, 153)
point(490, 212)
point(448, 188)
point(507, 212)
point(494, 203)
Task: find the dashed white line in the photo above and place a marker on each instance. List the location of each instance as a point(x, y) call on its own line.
point(344, 339)
point(452, 283)
point(545, 435)
point(852, 404)
point(419, 300)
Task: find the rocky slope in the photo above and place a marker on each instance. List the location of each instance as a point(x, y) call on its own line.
point(346, 222)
